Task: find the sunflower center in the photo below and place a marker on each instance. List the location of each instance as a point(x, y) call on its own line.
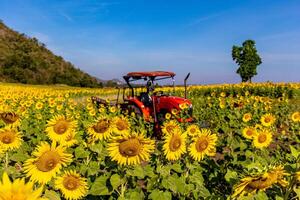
point(267, 119)
point(249, 132)
point(102, 126)
point(71, 183)
point(121, 125)
point(175, 143)
point(262, 138)
point(170, 128)
point(47, 161)
point(193, 130)
point(61, 127)
point(7, 137)
point(130, 148)
point(9, 117)
point(201, 144)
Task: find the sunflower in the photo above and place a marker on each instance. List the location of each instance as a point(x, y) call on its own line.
point(10, 139)
point(295, 117)
point(10, 118)
point(39, 105)
point(121, 125)
point(193, 130)
point(131, 149)
point(247, 117)
point(71, 185)
point(250, 185)
point(267, 120)
point(298, 176)
point(174, 145)
point(249, 132)
point(47, 162)
point(203, 144)
point(60, 127)
point(101, 129)
point(18, 189)
point(170, 126)
point(70, 140)
point(262, 139)
point(168, 116)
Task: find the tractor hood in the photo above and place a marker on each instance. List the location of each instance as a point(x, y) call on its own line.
point(171, 102)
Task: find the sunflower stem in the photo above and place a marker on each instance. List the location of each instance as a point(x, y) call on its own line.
point(6, 160)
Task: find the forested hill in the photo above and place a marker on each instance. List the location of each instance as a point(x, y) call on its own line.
point(26, 60)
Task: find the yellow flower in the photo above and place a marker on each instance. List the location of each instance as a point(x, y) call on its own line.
point(59, 127)
point(71, 185)
point(113, 109)
point(10, 139)
point(121, 125)
point(203, 144)
point(295, 117)
point(262, 139)
point(168, 116)
point(10, 118)
point(70, 140)
point(47, 162)
point(130, 150)
point(19, 190)
point(298, 176)
point(101, 129)
point(247, 117)
point(249, 132)
point(267, 120)
point(193, 130)
point(92, 112)
point(170, 126)
point(39, 105)
point(174, 145)
point(250, 185)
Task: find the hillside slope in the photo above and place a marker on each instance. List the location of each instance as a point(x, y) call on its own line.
point(26, 60)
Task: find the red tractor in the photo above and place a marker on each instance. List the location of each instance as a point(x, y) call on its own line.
point(151, 104)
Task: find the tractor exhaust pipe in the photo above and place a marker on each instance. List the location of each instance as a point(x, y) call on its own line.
point(186, 78)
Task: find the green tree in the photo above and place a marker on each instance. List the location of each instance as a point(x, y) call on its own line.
point(247, 58)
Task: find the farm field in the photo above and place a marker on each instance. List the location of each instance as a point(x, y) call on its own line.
point(244, 144)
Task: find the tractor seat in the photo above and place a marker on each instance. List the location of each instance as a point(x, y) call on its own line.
point(146, 99)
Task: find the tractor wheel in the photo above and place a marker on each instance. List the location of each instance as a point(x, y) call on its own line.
point(135, 110)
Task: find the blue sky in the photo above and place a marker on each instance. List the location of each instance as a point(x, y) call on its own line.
point(109, 38)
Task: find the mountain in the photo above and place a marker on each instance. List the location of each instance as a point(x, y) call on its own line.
point(26, 60)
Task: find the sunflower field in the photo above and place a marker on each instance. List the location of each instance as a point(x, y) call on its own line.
point(55, 143)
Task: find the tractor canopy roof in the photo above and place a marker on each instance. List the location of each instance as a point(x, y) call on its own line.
point(152, 75)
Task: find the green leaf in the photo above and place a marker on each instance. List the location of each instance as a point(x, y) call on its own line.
point(81, 153)
point(161, 195)
point(176, 167)
point(163, 170)
point(197, 178)
point(297, 191)
point(295, 152)
point(134, 195)
point(97, 148)
point(93, 168)
point(51, 195)
point(99, 186)
point(261, 196)
point(138, 171)
point(115, 181)
point(230, 176)
point(19, 156)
